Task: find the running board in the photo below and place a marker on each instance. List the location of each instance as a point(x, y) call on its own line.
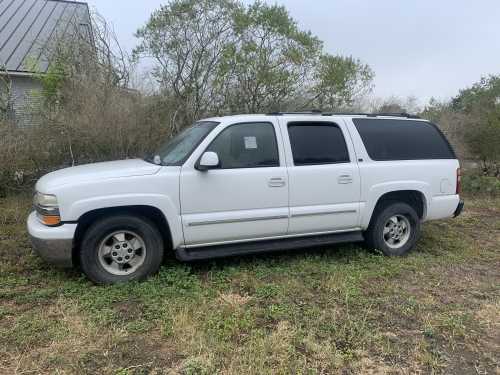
point(257, 247)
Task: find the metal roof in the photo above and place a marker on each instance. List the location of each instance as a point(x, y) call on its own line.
point(28, 27)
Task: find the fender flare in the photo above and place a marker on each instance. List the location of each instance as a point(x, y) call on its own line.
point(158, 201)
point(379, 190)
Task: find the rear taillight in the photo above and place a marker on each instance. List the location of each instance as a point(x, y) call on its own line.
point(459, 181)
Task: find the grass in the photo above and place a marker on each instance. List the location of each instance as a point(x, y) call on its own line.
point(330, 310)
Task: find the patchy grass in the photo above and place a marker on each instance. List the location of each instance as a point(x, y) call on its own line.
point(330, 310)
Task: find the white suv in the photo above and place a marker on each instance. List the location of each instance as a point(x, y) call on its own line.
point(246, 184)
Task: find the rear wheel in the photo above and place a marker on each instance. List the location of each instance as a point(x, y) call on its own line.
point(394, 229)
point(121, 248)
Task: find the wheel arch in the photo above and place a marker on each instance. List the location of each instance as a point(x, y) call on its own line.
point(412, 194)
point(413, 198)
point(150, 212)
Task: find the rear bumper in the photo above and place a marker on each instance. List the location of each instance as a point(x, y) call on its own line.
point(442, 206)
point(459, 209)
point(53, 244)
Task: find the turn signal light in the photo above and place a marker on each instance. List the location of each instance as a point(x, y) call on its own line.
point(459, 181)
point(50, 220)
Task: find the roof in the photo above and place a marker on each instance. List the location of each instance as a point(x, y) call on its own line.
point(310, 116)
point(28, 27)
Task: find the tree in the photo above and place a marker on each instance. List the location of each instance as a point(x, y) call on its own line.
point(484, 141)
point(484, 95)
point(339, 81)
point(87, 104)
point(187, 39)
point(218, 56)
point(481, 103)
point(452, 123)
point(271, 60)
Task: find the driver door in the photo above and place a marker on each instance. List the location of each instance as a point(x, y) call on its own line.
point(246, 196)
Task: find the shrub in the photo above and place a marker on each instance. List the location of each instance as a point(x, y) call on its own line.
point(88, 113)
point(94, 125)
point(16, 157)
point(476, 183)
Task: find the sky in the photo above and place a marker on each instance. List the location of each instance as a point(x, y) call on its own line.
point(421, 48)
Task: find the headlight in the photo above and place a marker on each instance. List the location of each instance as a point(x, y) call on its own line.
point(45, 200)
point(47, 209)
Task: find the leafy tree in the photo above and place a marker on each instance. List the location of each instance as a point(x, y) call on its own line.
point(434, 108)
point(187, 39)
point(481, 103)
point(218, 56)
point(453, 124)
point(484, 141)
point(271, 60)
point(484, 95)
point(339, 80)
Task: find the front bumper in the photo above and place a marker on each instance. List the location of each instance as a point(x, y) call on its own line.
point(459, 209)
point(53, 244)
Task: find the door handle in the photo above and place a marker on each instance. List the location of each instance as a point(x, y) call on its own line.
point(276, 182)
point(345, 179)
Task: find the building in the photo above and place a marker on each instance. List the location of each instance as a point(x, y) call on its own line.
point(29, 33)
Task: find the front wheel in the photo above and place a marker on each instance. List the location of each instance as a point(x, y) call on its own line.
point(394, 229)
point(121, 248)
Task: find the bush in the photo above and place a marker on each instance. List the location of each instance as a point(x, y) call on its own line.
point(18, 157)
point(479, 184)
point(88, 113)
point(95, 124)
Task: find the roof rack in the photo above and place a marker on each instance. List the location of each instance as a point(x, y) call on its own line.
point(311, 112)
point(392, 114)
point(320, 113)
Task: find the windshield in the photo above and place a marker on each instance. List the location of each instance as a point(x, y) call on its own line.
point(177, 149)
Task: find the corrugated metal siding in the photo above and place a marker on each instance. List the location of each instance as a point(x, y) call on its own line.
point(26, 101)
point(29, 28)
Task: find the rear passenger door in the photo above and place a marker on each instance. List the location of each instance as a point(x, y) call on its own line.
point(324, 180)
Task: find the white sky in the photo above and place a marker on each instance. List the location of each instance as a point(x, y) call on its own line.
point(423, 48)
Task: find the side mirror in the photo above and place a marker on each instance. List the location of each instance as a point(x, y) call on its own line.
point(209, 160)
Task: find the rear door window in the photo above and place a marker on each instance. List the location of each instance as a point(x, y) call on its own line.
point(317, 143)
point(393, 139)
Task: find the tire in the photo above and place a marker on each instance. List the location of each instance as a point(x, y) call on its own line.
point(121, 248)
point(387, 233)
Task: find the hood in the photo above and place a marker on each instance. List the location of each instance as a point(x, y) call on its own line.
point(96, 171)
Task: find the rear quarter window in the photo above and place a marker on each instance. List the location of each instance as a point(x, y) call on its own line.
point(392, 139)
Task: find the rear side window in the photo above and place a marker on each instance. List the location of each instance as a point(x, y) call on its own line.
point(317, 143)
point(392, 139)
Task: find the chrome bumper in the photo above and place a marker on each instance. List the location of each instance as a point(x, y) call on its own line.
point(53, 244)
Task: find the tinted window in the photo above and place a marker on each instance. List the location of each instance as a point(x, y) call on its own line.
point(246, 146)
point(388, 139)
point(317, 143)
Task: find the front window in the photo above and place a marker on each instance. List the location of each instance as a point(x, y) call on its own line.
point(247, 145)
point(178, 149)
